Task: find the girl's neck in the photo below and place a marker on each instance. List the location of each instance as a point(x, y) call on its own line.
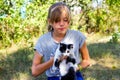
point(58, 37)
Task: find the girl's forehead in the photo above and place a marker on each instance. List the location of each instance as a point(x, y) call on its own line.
point(59, 13)
point(64, 15)
point(60, 10)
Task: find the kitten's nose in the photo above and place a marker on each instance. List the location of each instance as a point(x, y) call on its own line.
point(68, 51)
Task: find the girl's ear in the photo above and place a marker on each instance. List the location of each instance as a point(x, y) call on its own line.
point(49, 22)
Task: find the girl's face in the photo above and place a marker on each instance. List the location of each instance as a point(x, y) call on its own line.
point(61, 26)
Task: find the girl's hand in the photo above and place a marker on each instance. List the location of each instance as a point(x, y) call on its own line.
point(51, 60)
point(63, 57)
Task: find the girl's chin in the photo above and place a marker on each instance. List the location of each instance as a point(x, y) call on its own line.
point(62, 32)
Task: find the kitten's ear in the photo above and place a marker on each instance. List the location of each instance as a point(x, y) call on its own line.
point(61, 44)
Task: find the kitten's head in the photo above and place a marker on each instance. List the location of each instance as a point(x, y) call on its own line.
point(66, 49)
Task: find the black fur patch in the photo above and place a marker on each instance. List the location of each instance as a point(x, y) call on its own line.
point(63, 47)
point(71, 75)
point(69, 59)
point(57, 63)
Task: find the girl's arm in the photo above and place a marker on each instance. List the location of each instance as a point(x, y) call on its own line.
point(85, 56)
point(38, 67)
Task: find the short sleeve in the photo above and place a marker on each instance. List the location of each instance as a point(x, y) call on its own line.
point(39, 48)
point(82, 39)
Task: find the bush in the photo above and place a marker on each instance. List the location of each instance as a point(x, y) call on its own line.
point(22, 20)
point(15, 29)
point(115, 37)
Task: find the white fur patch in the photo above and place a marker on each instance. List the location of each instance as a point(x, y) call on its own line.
point(63, 68)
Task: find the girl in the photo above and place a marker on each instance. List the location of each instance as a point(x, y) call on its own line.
point(59, 32)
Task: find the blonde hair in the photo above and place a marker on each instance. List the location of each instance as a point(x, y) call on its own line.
point(55, 12)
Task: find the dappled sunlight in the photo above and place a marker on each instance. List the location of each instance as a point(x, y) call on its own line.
point(109, 63)
point(101, 72)
point(91, 78)
point(17, 64)
point(98, 50)
point(109, 60)
point(97, 38)
point(21, 76)
point(105, 63)
point(105, 59)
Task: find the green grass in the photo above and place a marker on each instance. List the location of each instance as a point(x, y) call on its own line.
point(15, 62)
point(106, 62)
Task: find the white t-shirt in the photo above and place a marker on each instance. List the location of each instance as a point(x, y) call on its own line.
point(46, 46)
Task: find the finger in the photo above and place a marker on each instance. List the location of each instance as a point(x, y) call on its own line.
point(65, 57)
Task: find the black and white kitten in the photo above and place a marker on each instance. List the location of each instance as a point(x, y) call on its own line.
point(67, 67)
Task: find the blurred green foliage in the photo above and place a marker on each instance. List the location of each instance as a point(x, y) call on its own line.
point(14, 29)
point(115, 38)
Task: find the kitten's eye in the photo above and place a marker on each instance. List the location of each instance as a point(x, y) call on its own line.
point(71, 46)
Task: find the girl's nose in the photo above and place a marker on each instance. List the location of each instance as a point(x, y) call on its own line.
point(61, 22)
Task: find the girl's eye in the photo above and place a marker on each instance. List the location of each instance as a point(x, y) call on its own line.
point(65, 20)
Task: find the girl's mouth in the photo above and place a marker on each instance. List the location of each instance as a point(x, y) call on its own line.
point(61, 29)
